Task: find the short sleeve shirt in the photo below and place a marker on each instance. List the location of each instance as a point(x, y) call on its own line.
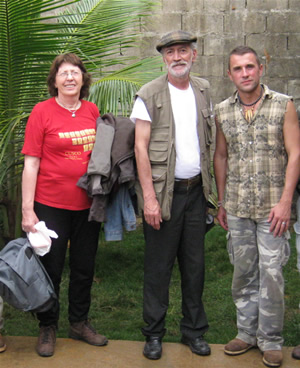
point(64, 144)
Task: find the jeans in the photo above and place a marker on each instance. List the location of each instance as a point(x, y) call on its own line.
point(119, 213)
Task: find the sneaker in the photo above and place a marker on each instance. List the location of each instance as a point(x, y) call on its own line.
point(2, 344)
point(46, 341)
point(85, 332)
point(272, 358)
point(296, 352)
point(237, 347)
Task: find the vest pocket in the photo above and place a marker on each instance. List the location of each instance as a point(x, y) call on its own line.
point(207, 126)
point(158, 152)
point(159, 183)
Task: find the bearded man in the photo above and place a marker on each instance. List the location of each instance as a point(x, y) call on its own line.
point(173, 135)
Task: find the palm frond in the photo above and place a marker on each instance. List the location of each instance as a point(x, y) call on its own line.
point(97, 30)
point(107, 29)
point(115, 92)
point(26, 46)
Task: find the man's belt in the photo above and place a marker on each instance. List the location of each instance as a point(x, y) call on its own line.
point(188, 183)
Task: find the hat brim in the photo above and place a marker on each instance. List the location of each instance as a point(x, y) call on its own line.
point(160, 46)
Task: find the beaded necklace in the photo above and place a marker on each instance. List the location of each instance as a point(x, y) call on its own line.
point(250, 112)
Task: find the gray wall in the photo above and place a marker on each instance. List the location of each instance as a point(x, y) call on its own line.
point(271, 27)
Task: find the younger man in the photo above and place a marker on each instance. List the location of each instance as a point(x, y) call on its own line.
point(257, 163)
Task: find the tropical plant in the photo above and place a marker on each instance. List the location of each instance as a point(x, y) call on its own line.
point(32, 33)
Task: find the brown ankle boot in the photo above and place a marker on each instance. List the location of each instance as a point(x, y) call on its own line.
point(272, 358)
point(237, 347)
point(85, 332)
point(296, 352)
point(46, 341)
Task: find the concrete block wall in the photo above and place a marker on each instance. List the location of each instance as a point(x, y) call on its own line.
point(271, 27)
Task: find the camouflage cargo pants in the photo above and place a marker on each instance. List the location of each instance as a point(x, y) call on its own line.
point(258, 284)
point(297, 231)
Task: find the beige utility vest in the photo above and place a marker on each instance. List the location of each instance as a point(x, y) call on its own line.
point(162, 150)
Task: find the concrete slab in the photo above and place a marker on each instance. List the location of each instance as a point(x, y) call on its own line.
point(69, 353)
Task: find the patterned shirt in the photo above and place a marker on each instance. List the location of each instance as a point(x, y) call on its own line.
point(257, 158)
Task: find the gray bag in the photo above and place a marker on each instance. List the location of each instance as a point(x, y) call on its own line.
point(24, 282)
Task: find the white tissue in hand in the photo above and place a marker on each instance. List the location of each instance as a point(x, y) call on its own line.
point(40, 240)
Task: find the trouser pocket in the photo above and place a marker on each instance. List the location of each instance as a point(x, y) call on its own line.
point(230, 247)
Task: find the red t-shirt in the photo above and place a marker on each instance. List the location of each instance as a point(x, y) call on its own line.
point(64, 145)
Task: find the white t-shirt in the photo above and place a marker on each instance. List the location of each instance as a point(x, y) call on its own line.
point(186, 137)
point(139, 111)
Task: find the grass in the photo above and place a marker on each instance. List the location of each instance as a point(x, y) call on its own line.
point(116, 309)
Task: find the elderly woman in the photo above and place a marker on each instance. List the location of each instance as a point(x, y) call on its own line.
point(59, 138)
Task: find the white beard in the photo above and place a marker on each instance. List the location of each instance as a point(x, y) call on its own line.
point(183, 72)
